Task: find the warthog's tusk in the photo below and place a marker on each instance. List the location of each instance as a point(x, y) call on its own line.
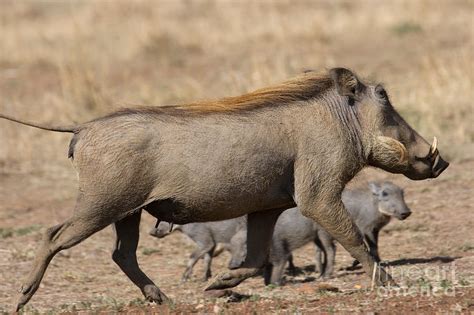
point(434, 146)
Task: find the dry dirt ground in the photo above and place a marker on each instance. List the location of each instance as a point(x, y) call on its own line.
point(431, 255)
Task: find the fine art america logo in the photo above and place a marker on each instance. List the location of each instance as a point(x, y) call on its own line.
point(430, 281)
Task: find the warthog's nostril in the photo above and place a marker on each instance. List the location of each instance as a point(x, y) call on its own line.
point(405, 215)
point(439, 166)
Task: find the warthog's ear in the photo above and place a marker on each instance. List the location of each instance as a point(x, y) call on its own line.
point(389, 154)
point(374, 188)
point(346, 82)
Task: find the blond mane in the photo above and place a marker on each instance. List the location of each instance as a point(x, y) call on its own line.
point(301, 88)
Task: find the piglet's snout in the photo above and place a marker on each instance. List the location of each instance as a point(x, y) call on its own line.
point(154, 232)
point(405, 215)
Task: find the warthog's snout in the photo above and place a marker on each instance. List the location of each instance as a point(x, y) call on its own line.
point(439, 166)
point(429, 166)
point(404, 215)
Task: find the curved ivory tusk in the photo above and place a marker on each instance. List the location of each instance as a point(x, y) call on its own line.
point(434, 146)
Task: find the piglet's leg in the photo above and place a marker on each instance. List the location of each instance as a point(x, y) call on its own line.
point(331, 214)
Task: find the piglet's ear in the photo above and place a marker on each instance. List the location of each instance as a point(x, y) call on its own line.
point(346, 82)
point(374, 188)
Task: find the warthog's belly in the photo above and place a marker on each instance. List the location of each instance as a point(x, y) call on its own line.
point(180, 213)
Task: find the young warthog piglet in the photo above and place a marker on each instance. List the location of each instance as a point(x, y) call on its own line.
point(292, 231)
point(370, 209)
point(373, 209)
point(206, 235)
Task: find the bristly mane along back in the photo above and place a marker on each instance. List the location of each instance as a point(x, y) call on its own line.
point(304, 87)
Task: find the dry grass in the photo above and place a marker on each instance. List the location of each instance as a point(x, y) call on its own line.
point(73, 61)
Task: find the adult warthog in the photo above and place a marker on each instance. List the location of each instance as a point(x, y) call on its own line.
point(297, 143)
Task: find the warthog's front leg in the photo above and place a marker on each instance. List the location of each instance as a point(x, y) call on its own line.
point(124, 255)
point(259, 236)
point(335, 219)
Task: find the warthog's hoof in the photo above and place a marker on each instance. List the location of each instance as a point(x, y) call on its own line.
point(388, 282)
point(153, 294)
point(22, 300)
point(231, 278)
point(26, 292)
point(382, 278)
point(224, 281)
point(217, 293)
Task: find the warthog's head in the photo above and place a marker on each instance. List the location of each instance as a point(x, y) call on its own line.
point(163, 229)
point(391, 144)
point(390, 200)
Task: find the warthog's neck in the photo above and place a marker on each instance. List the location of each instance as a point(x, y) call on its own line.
point(329, 137)
point(345, 115)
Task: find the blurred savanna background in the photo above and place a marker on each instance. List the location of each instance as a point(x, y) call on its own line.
point(66, 62)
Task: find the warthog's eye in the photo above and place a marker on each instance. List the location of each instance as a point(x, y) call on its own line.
point(380, 92)
point(384, 194)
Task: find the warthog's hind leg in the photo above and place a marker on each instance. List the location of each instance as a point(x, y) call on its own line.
point(59, 237)
point(124, 255)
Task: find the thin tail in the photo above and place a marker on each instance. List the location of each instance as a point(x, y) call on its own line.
point(44, 127)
